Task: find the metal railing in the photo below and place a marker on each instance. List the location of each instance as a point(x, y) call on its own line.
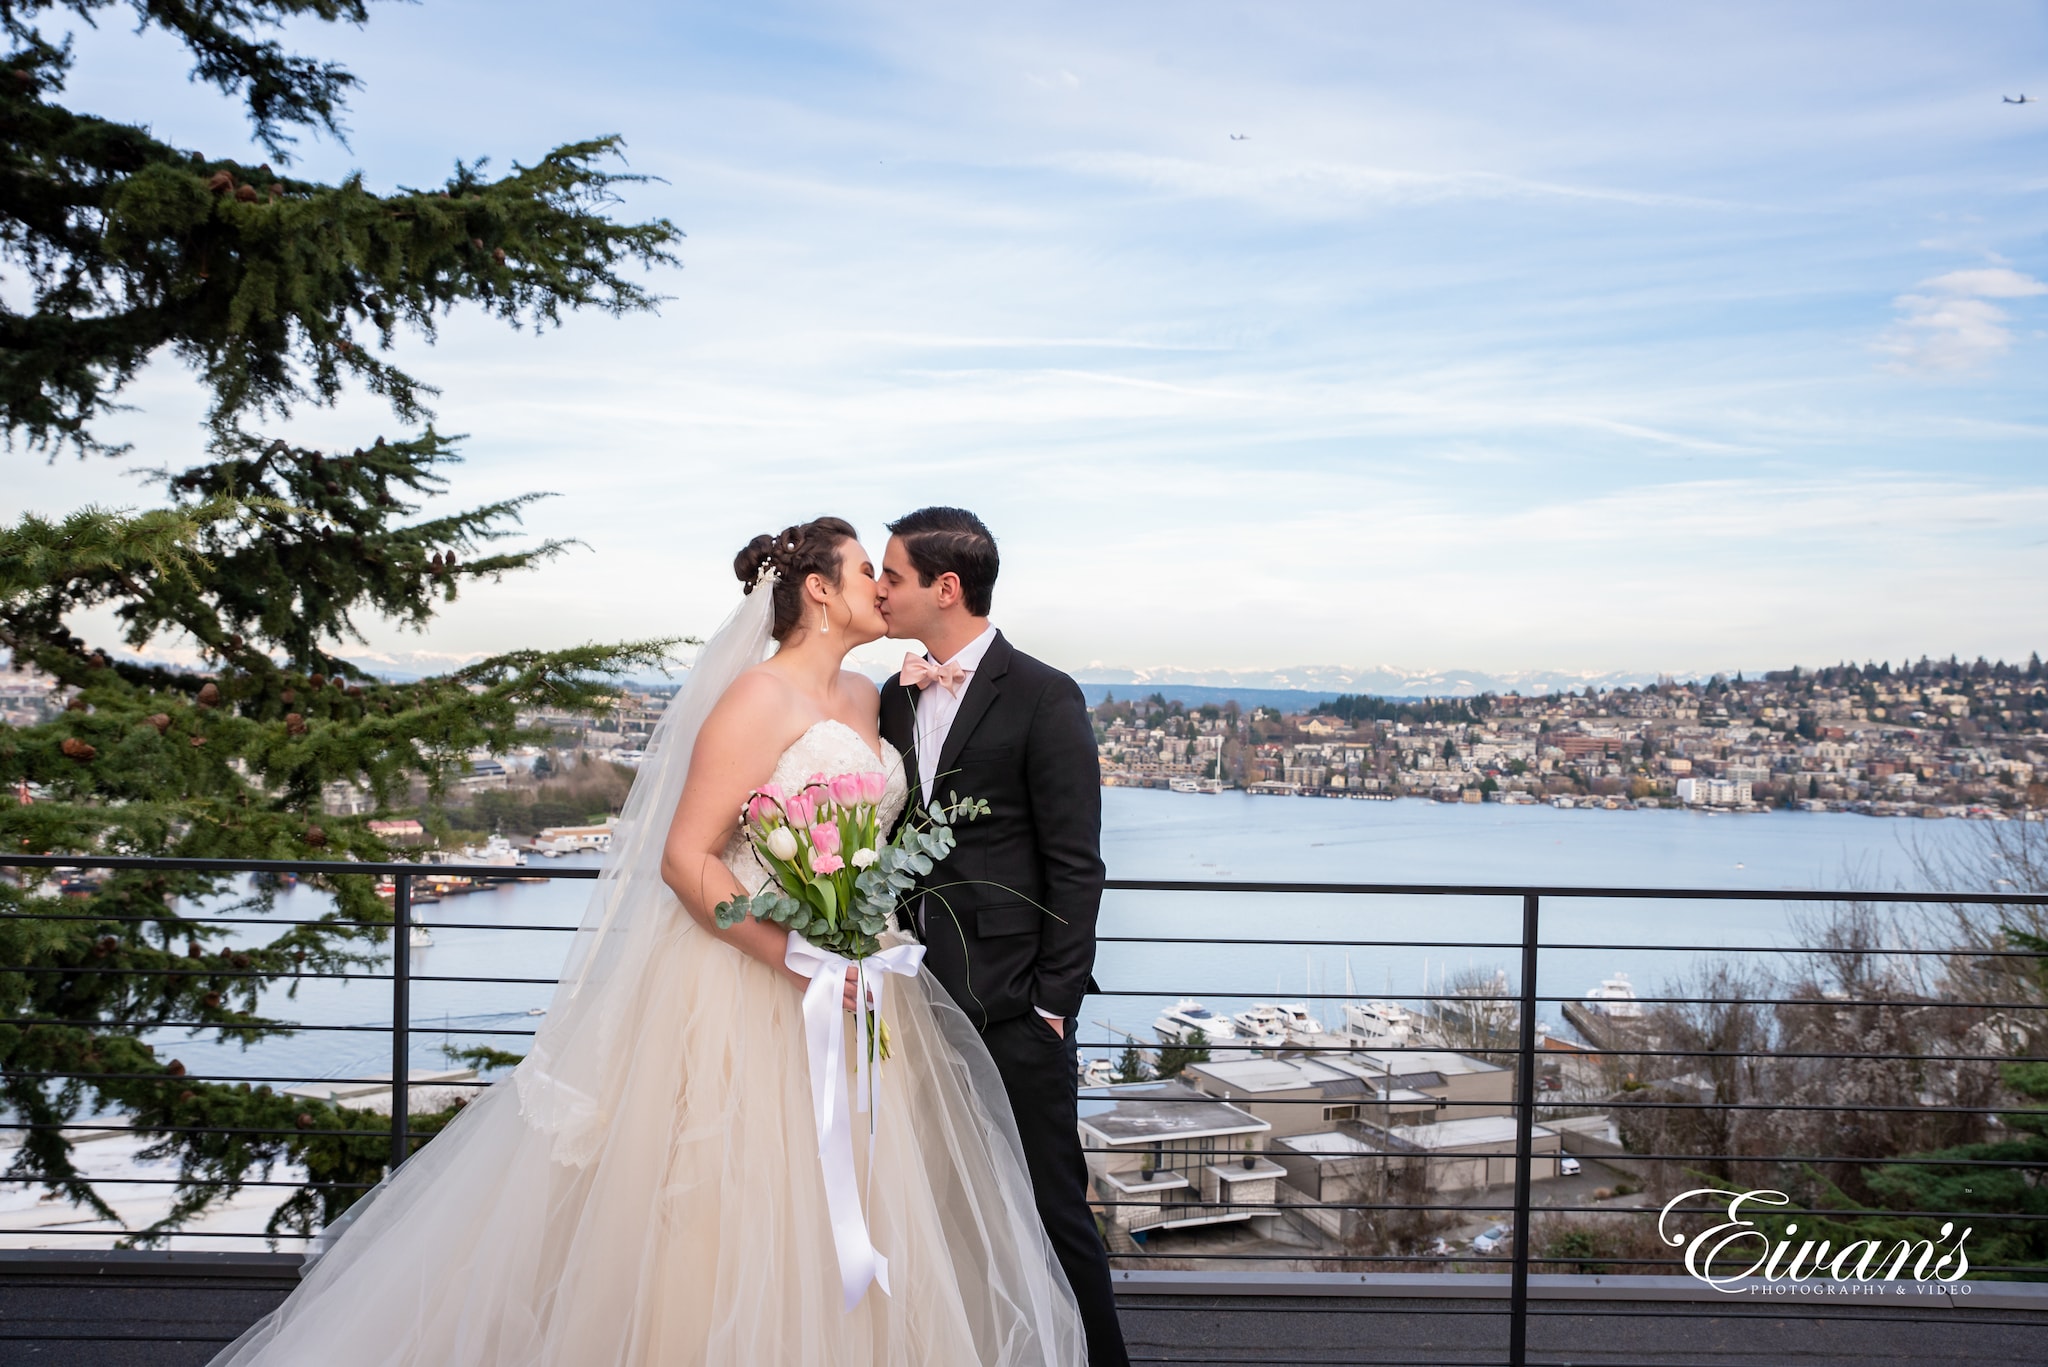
point(1524, 1004)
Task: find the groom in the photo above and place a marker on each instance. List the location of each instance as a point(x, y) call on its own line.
point(1008, 920)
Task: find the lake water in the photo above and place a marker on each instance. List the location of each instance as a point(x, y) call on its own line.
point(1149, 833)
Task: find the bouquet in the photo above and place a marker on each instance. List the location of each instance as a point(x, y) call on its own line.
point(832, 877)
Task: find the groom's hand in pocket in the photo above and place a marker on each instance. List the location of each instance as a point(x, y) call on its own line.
point(1059, 1027)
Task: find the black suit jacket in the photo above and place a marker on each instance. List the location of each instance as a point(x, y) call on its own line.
point(1010, 914)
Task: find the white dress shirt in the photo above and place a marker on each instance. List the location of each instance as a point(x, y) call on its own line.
point(937, 705)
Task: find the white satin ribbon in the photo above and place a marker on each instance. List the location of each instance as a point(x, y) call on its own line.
point(825, 1038)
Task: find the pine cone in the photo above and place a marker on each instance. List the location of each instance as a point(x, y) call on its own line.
point(318, 681)
point(304, 1121)
point(74, 748)
point(498, 255)
point(209, 1001)
point(78, 705)
point(220, 182)
point(160, 720)
point(333, 486)
point(246, 193)
point(315, 836)
point(175, 1068)
point(193, 951)
point(337, 682)
point(288, 697)
point(209, 696)
point(198, 741)
point(187, 1098)
point(239, 960)
point(294, 724)
point(354, 691)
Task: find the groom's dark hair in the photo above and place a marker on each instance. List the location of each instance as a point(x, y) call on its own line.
point(951, 540)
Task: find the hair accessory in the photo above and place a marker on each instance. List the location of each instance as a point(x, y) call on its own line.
point(767, 571)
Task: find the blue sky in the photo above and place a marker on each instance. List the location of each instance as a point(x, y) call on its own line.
point(1571, 337)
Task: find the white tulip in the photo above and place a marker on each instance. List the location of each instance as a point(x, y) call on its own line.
point(782, 843)
point(863, 858)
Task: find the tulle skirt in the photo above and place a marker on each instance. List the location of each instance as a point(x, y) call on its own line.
point(698, 1231)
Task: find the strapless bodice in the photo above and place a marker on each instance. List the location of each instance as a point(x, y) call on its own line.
point(829, 747)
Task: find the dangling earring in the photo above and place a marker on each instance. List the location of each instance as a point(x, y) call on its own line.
point(824, 620)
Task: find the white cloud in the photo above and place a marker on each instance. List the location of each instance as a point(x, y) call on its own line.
point(1950, 323)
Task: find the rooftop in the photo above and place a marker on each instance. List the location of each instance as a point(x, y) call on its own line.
point(1328, 1144)
point(1412, 1061)
point(1457, 1134)
point(1148, 1112)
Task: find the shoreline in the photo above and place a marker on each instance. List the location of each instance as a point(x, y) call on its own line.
point(1603, 802)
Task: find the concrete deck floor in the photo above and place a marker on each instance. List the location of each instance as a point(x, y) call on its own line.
point(177, 1310)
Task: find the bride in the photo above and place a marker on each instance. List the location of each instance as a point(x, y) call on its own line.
point(647, 1188)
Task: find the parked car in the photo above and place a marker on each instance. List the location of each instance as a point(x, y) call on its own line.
point(1567, 1166)
point(1491, 1240)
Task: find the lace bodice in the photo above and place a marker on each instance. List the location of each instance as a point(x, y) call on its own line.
point(829, 747)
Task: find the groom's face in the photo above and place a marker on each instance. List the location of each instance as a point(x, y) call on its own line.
point(907, 606)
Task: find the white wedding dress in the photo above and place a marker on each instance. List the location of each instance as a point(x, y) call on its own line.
point(687, 1224)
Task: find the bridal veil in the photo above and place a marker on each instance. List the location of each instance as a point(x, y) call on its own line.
point(645, 1189)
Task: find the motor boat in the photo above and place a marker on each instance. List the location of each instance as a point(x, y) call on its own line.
point(1277, 1025)
point(1304, 1030)
point(1180, 1022)
point(1378, 1025)
point(495, 851)
point(1615, 999)
point(1264, 1026)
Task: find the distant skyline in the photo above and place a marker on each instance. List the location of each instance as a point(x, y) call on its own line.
point(1587, 339)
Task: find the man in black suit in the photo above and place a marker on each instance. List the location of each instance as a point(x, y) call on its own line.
point(1008, 919)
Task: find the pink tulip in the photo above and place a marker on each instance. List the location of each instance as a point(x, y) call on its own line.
point(772, 791)
point(826, 863)
point(846, 789)
point(762, 810)
point(825, 837)
point(815, 781)
point(800, 809)
point(872, 785)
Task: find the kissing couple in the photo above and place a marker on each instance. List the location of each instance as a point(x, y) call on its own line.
point(671, 1175)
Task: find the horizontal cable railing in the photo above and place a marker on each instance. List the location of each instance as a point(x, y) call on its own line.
point(1371, 1197)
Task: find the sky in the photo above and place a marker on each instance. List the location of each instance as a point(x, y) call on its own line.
point(1580, 337)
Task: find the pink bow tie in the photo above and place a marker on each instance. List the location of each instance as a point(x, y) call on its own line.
point(918, 671)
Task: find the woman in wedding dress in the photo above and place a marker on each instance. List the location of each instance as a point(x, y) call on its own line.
point(647, 1187)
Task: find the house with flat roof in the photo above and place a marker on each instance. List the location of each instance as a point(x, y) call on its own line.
point(1476, 1152)
point(1302, 1095)
point(1162, 1155)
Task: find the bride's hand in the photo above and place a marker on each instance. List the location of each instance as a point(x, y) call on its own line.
point(846, 998)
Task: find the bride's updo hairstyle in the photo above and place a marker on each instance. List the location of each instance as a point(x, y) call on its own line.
point(795, 553)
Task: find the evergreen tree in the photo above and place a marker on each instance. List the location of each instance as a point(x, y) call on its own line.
point(267, 556)
point(1194, 1048)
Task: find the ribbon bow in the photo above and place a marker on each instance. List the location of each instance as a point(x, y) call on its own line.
point(918, 671)
point(860, 1262)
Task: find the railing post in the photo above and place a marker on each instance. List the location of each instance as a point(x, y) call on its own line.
point(401, 1014)
point(1525, 1122)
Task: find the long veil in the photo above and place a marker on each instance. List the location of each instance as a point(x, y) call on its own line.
point(570, 1082)
point(646, 1187)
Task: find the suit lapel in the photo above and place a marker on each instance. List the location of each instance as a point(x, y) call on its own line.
point(981, 692)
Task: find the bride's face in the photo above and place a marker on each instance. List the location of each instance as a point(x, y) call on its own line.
point(857, 587)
